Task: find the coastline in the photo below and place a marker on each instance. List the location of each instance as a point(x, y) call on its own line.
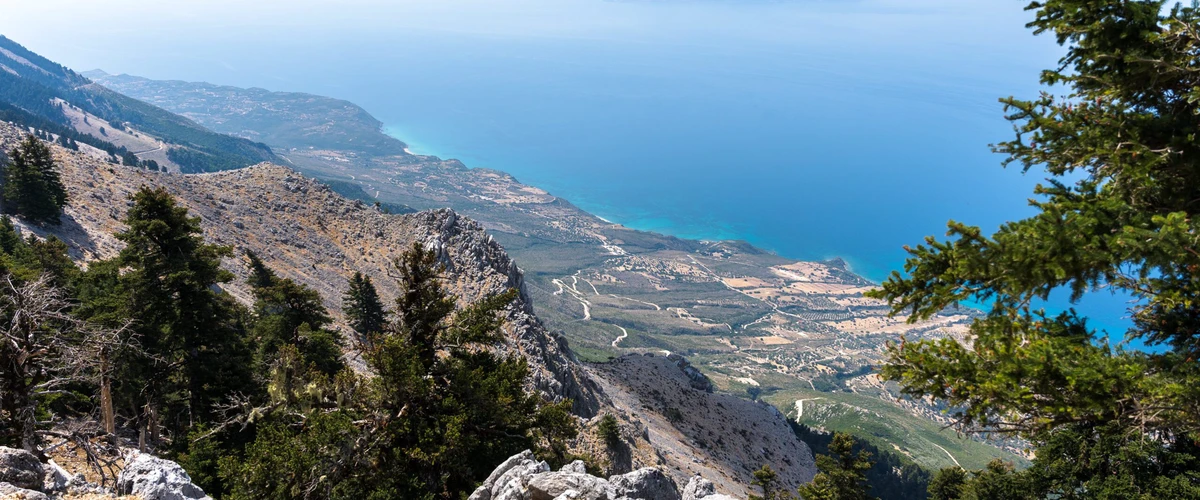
point(1097, 308)
point(647, 222)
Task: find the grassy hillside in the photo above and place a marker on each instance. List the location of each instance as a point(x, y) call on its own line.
point(888, 427)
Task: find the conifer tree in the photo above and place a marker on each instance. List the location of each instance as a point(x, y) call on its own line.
point(10, 239)
point(195, 343)
point(288, 313)
point(32, 186)
point(948, 484)
point(362, 307)
point(422, 306)
point(768, 481)
point(1118, 212)
point(439, 413)
point(843, 473)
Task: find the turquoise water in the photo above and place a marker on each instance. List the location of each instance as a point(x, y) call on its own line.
point(814, 129)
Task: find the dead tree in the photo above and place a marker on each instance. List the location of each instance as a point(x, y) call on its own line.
point(43, 349)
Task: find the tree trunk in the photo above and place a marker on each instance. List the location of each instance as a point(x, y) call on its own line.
point(106, 403)
point(25, 418)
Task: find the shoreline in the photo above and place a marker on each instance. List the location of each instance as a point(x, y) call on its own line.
point(416, 150)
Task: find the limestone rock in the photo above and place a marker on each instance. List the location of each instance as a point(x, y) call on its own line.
point(153, 478)
point(550, 485)
point(10, 492)
point(522, 478)
point(698, 488)
point(56, 478)
point(509, 481)
point(20, 468)
point(695, 378)
point(576, 466)
point(646, 483)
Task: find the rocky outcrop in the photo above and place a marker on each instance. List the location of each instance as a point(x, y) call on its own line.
point(696, 379)
point(21, 468)
point(152, 478)
point(699, 488)
point(562, 484)
point(144, 476)
point(522, 477)
point(646, 483)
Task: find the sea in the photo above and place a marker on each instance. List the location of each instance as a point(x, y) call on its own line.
point(812, 128)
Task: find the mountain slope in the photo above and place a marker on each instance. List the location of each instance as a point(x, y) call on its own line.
point(33, 90)
point(308, 233)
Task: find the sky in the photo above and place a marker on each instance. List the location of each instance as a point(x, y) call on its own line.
point(156, 38)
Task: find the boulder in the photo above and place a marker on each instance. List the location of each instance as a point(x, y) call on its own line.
point(522, 477)
point(698, 488)
point(551, 485)
point(646, 483)
point(10, 492)
point(21, 469)
point(56, 478)
point(509, 480)
point(153, 478)
point(484, 491)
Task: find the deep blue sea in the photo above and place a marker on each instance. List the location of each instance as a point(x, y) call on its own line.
point(813, 128)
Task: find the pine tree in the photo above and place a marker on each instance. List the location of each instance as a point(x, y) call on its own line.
point(191, 332)
point(1117, 213)
point(32, 186)
point(843, 473)
point(948, 484)
point(288, 313)
point(362, 307)
point(422, 306)
point(440, 412)
point(10, 239)
point(768, 481)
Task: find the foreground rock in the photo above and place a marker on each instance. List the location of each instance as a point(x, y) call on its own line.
point(20, 469)
point(153, 478)
point(523, 477)
point(143, 476)
point(10, 492)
